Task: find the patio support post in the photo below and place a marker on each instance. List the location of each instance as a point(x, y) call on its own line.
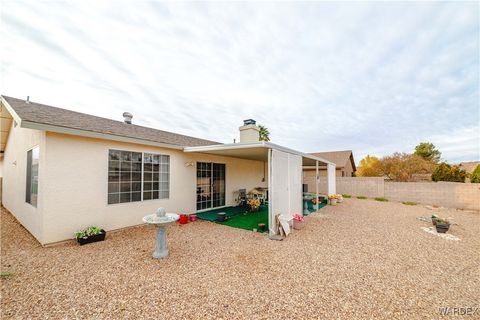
point(317, 178)
point(331, 183)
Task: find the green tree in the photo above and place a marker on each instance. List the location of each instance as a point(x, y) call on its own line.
point(264, 133)
point(475, 176)
point(370, 166)
point(428, 151)
point(446, 172)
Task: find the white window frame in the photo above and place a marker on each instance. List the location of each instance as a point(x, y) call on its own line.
point(142, 175)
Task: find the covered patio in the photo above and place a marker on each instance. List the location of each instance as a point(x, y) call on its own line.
point(284, 174)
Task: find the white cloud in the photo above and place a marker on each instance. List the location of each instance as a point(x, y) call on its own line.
point(372, 77)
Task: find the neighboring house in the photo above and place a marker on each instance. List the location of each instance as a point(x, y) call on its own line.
point(469, 166)
point(344, 162)
point(65, 170)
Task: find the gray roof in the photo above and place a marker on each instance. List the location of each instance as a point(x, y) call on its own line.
point(48, 115)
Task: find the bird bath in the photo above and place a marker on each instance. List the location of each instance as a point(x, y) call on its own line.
point(161, 219)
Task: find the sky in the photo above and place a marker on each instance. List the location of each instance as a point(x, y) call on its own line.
point(373, 77)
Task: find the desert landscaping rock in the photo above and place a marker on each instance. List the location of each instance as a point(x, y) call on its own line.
point(361, 259)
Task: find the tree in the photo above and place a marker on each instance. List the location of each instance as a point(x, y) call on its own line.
point(402, 166)
point(428, 151)
point(264, 133)
point(370, 166)
point(446, 172)
point(475, 176)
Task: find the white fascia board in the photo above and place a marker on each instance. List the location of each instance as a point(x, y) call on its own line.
point(229, 146)
point(92, 134)
point(260, 144)
point(11, 111)
point(304, 155)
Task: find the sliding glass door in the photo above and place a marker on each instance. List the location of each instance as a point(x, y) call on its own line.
point(210, 185)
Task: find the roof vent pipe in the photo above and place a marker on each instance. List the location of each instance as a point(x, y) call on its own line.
point(127, 117)
point(28, 99)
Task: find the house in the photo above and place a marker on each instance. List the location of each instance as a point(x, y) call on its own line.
point(64, 170)
point(469, 166)
point(344, 162)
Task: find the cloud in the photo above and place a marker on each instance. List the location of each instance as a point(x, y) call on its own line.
point(372, 77)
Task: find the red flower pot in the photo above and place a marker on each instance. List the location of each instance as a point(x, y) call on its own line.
point(183, 219)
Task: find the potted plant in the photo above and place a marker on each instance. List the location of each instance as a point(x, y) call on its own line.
point(253, 204)
point(339, 198)
point(434, 219)
point(332, 199)
point(298, 221)
point(89, 235)
point(442, 225)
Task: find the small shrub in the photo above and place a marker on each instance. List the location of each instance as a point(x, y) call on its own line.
point(361, 197)
point(409, 203)
point(446, 172)
point(346, 195)
point(5, 275)
point(475, 177)
point(381, 199)
point(90, 231)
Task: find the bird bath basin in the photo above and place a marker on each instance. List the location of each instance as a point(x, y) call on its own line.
point(161, 219)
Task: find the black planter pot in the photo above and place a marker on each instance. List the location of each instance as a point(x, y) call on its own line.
point(221, 216)
point(442, 228)
point(90, 239)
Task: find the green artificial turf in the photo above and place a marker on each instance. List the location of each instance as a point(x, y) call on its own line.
point(238, 217)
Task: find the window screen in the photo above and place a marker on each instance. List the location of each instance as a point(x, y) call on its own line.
point(127, 182)
point(32, 176)
point(156, 169)
point(124, 176)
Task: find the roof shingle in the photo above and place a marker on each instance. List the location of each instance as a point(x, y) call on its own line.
point(340, 158)
point(44, 114)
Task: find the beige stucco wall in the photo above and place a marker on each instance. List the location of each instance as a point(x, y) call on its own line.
point(76, 193)
point(21, 140)
point(310, 173)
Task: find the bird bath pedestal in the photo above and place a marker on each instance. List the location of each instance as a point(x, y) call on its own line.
point(161, 219)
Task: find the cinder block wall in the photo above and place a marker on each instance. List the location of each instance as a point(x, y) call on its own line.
point(446, 194)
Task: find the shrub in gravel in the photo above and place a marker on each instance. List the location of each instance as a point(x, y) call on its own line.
point(381, 199)
point(5, 275)
point(409, 203)
point(346, 195)
point(361, 197)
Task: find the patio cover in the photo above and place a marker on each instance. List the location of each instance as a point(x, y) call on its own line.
point(284, 172)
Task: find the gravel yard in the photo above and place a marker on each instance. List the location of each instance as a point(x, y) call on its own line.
point(361, 259)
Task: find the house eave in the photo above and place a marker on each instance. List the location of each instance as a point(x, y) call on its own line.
point(93, 134)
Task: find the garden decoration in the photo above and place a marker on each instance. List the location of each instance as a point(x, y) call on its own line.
point(253, 204)
point(442, 225)
point(333, 199)
point(160, 219)
point(89, 235)
point(298, 221)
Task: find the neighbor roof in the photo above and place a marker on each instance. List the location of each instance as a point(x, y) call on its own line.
point(340, 158)
point(49, 116)
point(469, 166)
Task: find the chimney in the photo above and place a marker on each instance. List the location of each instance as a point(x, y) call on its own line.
point(249, 132)
point(28, 99)
point(127, 117)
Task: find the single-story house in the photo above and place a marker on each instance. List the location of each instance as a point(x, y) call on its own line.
point(344, 162)
point(65, 170)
